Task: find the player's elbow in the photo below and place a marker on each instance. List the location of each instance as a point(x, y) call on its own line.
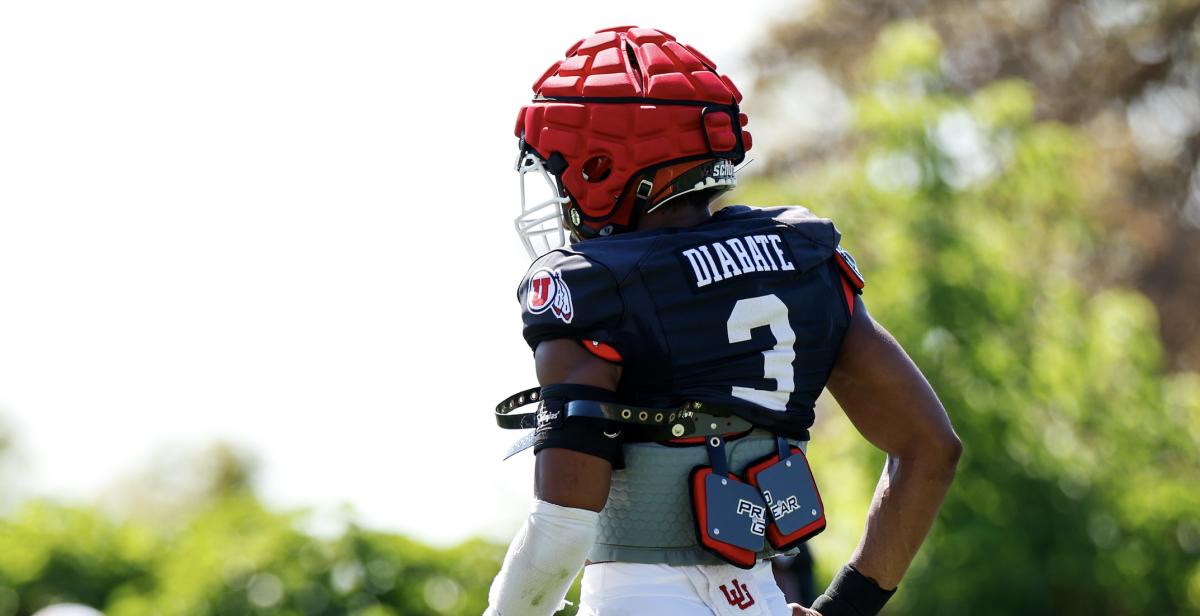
point(952, 449)
point(933, 454)
point(944, 452)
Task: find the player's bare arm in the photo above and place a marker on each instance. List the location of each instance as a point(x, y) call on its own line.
point(889, 401)
point(562, 476)
point(573, 470)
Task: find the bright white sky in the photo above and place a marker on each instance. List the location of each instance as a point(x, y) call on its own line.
point(286, 225)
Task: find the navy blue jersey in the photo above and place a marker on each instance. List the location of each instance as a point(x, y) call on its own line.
point(746, 310)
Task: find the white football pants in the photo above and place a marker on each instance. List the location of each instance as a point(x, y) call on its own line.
point(632, 589)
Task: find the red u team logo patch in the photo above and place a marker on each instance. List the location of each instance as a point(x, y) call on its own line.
point(547, 291)
point(739, 596)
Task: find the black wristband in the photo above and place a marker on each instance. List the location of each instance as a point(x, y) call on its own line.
point(552, 414)
point(852, 594)
point(591, 435)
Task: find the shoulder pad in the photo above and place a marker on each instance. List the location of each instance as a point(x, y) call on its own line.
point(567, 295)
point(819, 230)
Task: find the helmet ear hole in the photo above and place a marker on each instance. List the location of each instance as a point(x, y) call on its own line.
point(596, 169)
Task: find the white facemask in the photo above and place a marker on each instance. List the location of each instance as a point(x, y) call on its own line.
point(540, 225)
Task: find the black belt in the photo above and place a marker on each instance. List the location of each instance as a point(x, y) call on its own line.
point(689, 420)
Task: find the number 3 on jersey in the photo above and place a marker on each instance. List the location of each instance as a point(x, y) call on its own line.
point(777, 362)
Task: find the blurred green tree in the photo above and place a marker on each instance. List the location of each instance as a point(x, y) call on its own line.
point(51, 554)
point(1125, 73)
point(976, 225)
point(220, 552)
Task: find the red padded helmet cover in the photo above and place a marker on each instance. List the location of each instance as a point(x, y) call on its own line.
point(623, 103)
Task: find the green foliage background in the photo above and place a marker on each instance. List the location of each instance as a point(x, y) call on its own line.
point(230, 556)
point(1078, 492)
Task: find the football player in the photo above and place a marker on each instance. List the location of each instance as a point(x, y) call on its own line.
point(680, 355)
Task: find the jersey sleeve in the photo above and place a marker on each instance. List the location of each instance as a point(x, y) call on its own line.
point(852, 281)
point(568, 295)
point(849, 269)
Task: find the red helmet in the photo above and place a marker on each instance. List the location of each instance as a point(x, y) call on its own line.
point(629, 120)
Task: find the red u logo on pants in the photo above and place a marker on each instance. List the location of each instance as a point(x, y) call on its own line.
point(740, 595)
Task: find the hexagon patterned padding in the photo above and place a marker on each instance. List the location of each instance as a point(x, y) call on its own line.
point(636, 97)
point(649, 512)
